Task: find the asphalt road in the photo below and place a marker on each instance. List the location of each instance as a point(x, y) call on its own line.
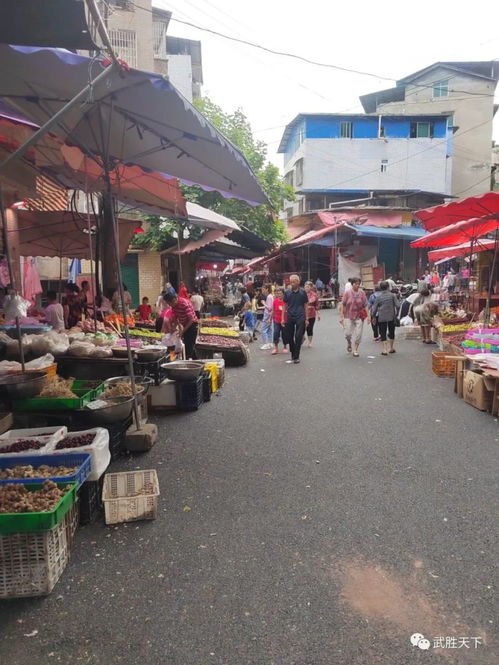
point(312, 514)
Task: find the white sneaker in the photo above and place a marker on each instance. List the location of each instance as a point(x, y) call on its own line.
point(264, 347)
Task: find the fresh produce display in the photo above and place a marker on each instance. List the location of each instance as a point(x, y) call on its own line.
point(18, 499)
point(216, 323)
point(22, 445)
point(75, 441)
point(43, 471)
point(459, 327)
point(223, 332)
point(219, 341)
point(120, 389)
point(144, 333)
point(58, 388)
point(117, 321)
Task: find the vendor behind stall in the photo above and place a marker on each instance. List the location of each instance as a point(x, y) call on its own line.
point(145, 310)
point(54, 312)
point(72, 305)
point(185, 317)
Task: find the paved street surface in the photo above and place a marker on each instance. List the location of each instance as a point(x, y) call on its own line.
point(317, 514)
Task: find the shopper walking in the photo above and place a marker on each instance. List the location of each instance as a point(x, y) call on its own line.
point(279, 322)
point(353, 313)
point(312, 310)
point(374, 319)
point(268, 316)
point(385, 309)
point(295, 301)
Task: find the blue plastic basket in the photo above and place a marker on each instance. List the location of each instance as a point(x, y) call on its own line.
point(81, 460)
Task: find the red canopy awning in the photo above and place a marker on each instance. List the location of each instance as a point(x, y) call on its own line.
point(460, 250)
point(459, 233)
point(450, 213)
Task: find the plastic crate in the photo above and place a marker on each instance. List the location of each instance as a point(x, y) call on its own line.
point(190, 394)
point(56, 431)
point(206, 386)
point(442, 365)
point(81, 460)
point(84, 396)
point(43, 449)
point(89, 500)
point(32, 563)
point(98, 449)
point(129, 496)
point(24, 522)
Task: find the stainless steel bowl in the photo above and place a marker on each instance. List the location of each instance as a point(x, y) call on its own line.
point(115, 410)
point(183, 370)
point(150, 354)
point(22, 385)
point(121, 351)
point(142, 383)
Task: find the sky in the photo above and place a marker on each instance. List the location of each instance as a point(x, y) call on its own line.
point(388, 40)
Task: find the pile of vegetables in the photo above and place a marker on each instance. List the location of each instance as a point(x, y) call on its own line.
point(72, 441)
point(117, 321)
point(43, 471)
point(455, 328)
point(222, 332)
point(58, 388)
point(219, 341)
point(18, 499)
point(22, 445)
point(119, 389)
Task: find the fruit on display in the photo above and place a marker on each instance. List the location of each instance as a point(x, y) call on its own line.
point(219, 341)
point(43, 471)
point(75, 441)
point(222, 332)
point(18, 499)
point(455, 328)
point(22, 445)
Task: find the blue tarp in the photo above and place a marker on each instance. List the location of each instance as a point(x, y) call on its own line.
point(401, 233)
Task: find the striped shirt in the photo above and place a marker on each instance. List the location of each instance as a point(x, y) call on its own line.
point(183, 311)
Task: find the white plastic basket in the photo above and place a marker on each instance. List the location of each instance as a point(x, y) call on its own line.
point(32, 563)
point(129, 496)
point(98, 449)
point(47, 443)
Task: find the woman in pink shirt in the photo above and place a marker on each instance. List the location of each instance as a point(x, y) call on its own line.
point(353, 313)
point(312, 310)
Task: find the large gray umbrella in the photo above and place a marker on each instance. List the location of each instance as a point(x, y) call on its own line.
point(126, 117)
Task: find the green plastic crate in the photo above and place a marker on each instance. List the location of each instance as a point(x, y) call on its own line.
point(85, 390)
point(35, 522)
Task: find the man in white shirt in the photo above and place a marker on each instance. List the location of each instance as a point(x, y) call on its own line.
point(54, 312)
point(197, 301)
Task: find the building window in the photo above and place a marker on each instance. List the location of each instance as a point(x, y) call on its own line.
point(301, 206)
point(301, 135)
point(124, 43)
point(299, 172)
point(346, 130)
point(159, 39)
point(122, 4)
point(422, 130)
point(450, 123)
point(440, 89)
point(288, 178)
point(384, 165)
point(381, 131)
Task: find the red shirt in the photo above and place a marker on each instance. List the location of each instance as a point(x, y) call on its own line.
point(183, 311)
point(278, 305)
point(313, 305)
point(145, 312)
point(353, 303)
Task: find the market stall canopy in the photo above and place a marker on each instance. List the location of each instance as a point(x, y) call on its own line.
point(459, 233)
point(60, 234)
point(69, 167)
point(365, 216)
point(209, 219)
point(130, 118)
point(401, 233)
point(448, 253)
point(195, 245)
point(471, 208)
point(58, 23)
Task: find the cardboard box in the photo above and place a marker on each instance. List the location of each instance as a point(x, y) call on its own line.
point(6, 421)
point(478, 390)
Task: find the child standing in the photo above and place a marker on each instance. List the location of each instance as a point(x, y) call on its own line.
point(145, 310)
point(279, 322)
point(249, 319)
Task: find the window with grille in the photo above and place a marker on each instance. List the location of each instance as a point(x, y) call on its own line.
point(159, 39)
point(124, 43)
point(422, 130)
point(440, 89)
point(384, 165)
point(122, 4)
point(346, 130)
point(299, 172)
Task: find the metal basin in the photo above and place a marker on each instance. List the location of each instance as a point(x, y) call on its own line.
point(22, 385)
point(183, 370)
point(115, 410)
point(142, 383)
point(121, 351)
point(150, 354)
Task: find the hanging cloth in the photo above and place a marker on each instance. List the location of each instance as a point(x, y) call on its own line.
point(31, 281)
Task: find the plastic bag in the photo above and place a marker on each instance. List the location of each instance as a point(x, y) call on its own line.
point(15, 306)
point(406, 321)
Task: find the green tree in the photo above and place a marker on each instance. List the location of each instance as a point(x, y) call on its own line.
point(261, 219)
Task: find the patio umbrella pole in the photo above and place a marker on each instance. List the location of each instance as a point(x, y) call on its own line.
point(92, 272)
point(11, 275)
point(112, 220)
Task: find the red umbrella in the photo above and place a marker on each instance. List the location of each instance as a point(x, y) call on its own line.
point(450, 213)
point(461, 250)
point(462, 232)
